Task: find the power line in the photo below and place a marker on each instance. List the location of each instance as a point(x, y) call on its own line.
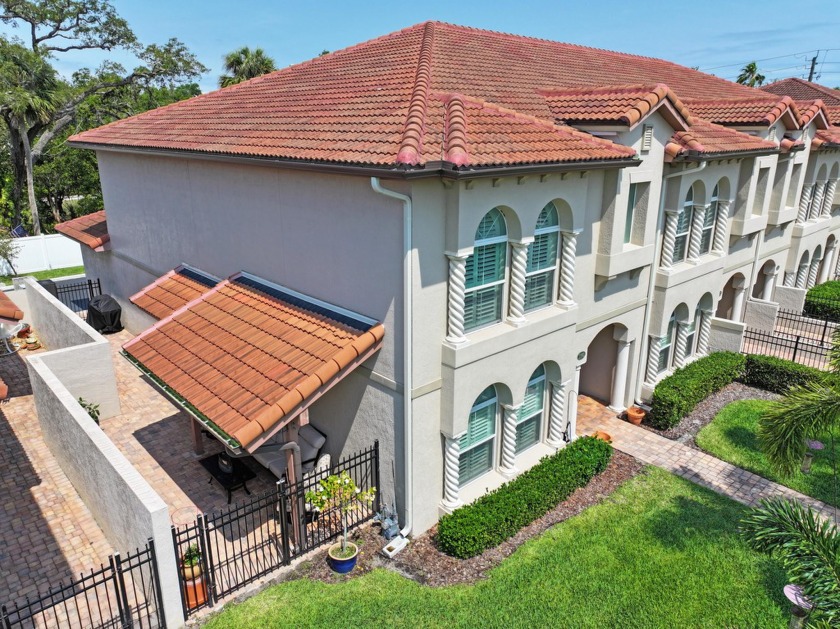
point(792, 54)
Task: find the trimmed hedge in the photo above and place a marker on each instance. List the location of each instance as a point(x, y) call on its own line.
point(677, 395)
point(500, 514)
point(823, 301)
point(777, 374)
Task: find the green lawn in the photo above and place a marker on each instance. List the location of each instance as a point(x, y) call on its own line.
point(661, 552)
point(47, 275)
point(732, 437)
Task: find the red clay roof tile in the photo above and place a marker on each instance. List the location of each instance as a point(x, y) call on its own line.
point(246, 353)
point(708, 138)
point(172, 291)
point(90, 230)
point(761, 110)
point(9, 309)
point(800, 89)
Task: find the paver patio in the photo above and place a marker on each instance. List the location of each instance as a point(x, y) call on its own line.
point(692, 464)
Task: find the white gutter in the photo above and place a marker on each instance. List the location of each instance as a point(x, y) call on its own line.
point(657, 253)
point(407, 380)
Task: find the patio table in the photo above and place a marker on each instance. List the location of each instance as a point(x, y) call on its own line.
point(235, 479)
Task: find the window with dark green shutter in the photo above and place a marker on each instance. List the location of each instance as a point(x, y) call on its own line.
point(477, 445)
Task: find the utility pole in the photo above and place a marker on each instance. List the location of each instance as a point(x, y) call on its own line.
point(813, 67)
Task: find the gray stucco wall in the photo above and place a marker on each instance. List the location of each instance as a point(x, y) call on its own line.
point(790, 298)
point(123, 504)
point(761, 315)
point(725, 335)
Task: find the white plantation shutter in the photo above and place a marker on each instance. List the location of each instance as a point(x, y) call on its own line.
point(477, 445)
point(542, 260)
point(485, 272)
point(531, 412)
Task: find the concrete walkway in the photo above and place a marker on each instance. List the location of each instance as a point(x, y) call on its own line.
point(694, 465)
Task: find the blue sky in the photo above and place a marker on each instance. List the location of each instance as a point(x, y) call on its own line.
point(717, 36)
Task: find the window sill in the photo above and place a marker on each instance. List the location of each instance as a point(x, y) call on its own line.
point(687, 271)
point(632, 257)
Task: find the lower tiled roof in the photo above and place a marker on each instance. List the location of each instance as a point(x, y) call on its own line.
point(173, 291)
point(761, 110)
point(90, 230)
point(9, 309)
point(706, 138)
point(248, 355)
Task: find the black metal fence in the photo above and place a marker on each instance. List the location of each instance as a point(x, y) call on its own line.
point(239, 545)
point(76, 295)
point(125, 593)
point(800, 349)
point(794, 324)
point(822, 308)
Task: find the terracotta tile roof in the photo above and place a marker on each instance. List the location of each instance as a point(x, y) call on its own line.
point(812, 111)
point(373, 104)
point(789, 144)
point(622, 104)
point(173, 291)
point(800, 89)
point(248, 355)
point(711, 139)
point(90, 230)
point(827, 138)
point(833, 115)
point(760, 110)
point(9, 309)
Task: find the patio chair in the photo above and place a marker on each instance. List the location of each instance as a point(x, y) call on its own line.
point(310, 440)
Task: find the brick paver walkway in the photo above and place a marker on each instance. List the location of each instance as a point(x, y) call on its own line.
point(47, 533)
point(694, 465)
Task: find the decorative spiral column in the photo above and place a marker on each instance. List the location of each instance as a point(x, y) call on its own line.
point(804, 202)
point(669, 239)
point(679, 343)
point(567, 267)
point(556, 418)
point(654, 349)
point(719, 244)
point(451, 473)
point(510, 413)
point(802, 275)
point(816, 206)
point(705, 331)
point(828, 201)
point(457, 285)
point(697, 216)
point(519, 264)
point(812, 272)
point(790, 279)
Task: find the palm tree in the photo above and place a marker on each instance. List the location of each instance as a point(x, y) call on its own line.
point(750, 75)
point(244, 64)
point(29, 93)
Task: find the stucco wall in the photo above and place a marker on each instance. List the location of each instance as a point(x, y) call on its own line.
point(790, 298)
point(725, 335)
point(123, 504)
point(761, 315)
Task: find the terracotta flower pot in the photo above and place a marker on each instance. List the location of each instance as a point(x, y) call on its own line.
point(195, 589)
point(603, 436)
point(635, 415)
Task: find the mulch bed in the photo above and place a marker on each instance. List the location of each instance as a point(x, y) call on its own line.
point(423, 562)
point(705, 411)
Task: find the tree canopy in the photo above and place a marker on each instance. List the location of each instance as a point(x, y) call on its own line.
point(750, 75)
point(243, 64)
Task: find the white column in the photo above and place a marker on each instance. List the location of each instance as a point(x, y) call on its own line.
point(802, 275)
point(510, 413)
point(828, 200)
point(769, 283)
point(812, 272)
point(567, 267)
point(654, 350)
point(679, 343)
point(719, 244)
point(696, 232)
point(804, 201)
point(738, 300)
point(457, 285)
point(571, 426)
point(619, 384)
point(669, 239)
point(790, 279)
point(451, 473)
point(519, 264)
point(705, 331)
point(816, 206)
point(828, 262)
point(556, 418)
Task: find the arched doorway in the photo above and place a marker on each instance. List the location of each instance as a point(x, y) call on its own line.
point(603, 376)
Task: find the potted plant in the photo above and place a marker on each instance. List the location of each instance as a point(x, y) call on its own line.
point(635, 415)
point(195, 590)
point(341, 493)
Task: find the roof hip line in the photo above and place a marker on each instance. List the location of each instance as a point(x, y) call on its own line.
point(409, 152)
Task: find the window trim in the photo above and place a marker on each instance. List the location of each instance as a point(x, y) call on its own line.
point(687, 207)
point(494, 401)
point(540, 231)
point(541, 413)
point(501, 282)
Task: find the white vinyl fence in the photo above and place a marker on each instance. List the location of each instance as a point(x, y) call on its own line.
point(40, 253)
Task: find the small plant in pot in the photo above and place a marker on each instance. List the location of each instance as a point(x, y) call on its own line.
point(340, 492)
point(195, 590)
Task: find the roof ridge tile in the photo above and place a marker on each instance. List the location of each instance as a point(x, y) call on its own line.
point(415, 121)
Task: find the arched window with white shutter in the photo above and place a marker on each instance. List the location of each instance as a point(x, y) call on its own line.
point(485, 273)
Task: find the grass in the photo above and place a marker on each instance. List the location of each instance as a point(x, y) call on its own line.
point(47, 275)
point(731, 436)
point(660, 552)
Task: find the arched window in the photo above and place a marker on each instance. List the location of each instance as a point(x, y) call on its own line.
point(542, 260)
point(485, 272)
point(477, 445)
point(530, 415)
point(691, 334)
point(665, 345)
point(684, 227)
point(709, 219)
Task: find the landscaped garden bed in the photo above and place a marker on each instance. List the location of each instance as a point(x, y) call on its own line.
point(658, 552)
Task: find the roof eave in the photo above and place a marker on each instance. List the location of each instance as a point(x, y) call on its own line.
point(696, 156)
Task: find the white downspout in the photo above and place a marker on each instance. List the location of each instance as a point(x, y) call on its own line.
point(407, 381)
point(657, 253)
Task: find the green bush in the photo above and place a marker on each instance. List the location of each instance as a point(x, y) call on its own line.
point(500, 514)
point(777, 374)
point(823, 301)
point(677, 395)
